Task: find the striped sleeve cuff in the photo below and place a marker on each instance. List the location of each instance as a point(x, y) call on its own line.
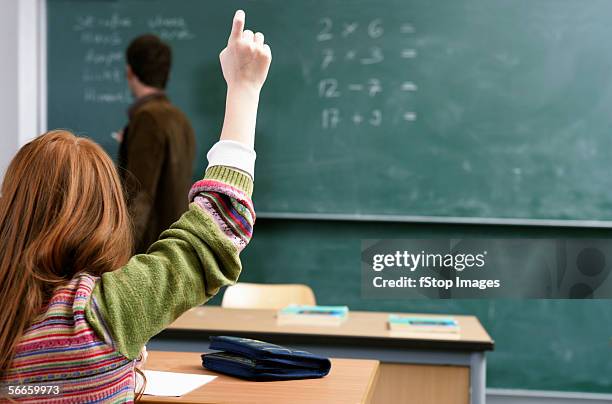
point(233, 154)
point(225, 194)
point(231, 177)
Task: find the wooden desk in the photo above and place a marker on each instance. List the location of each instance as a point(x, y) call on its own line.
point(350, 381)
point(424, 369)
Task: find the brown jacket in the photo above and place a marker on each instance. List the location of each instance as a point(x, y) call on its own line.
point(156, 164)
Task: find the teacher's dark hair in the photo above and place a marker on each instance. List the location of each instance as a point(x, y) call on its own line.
point(150, 59)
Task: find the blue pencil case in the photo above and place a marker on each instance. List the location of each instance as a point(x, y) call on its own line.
point(261, 361)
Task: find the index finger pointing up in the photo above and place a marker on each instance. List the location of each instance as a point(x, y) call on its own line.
point(237, 26)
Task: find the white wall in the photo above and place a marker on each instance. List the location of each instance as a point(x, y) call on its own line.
point(22, 95)
point(9, 137)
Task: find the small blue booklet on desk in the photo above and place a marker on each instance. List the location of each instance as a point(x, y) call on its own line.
point(423, 324)
point(312, 315)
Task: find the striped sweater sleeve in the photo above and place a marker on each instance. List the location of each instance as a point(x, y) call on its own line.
point(188, 265)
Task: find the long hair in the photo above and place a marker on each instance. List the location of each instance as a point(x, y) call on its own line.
point(62, 212)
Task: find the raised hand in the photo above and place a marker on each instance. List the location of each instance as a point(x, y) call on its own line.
point(245, 62)
point(246, 59)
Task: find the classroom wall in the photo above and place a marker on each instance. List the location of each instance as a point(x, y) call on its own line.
point(22, 112)
point(8, 81)
point(22, 99)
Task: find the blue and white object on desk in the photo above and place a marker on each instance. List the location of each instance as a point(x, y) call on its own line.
point(423, 324)
point(261, 361)
point(312, 315)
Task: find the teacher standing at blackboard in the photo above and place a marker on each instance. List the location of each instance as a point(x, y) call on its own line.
point(157, 146)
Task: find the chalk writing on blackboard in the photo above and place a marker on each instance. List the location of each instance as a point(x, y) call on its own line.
point(367, 54)
point(106, 37)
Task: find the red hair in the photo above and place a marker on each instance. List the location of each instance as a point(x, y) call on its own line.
point(62, 212)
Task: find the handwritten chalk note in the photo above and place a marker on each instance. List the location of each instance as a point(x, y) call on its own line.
point(106, 37)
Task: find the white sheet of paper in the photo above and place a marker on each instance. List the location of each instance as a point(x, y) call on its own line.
point(170, 384)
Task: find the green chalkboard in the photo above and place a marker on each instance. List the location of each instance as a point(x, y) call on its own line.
point(467, 108)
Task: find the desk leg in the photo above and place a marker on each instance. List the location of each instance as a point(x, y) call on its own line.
point(478, 378)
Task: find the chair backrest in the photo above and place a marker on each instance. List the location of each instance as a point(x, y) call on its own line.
point(266, 296)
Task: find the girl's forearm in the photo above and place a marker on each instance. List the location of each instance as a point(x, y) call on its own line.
point(240, 115)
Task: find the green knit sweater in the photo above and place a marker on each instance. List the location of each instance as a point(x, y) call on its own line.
point(188, 265)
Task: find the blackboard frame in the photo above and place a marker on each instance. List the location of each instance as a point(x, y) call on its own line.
point(595, 224)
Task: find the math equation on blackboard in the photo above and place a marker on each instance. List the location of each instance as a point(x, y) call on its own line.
point(340, 51)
